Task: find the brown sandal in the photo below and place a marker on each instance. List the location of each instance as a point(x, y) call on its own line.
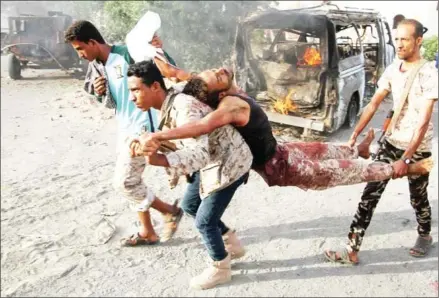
point(171, 223)
point(339, 256)
point(421, 248)
point(136, 240)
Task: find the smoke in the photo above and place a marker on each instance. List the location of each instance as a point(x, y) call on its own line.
point(196, 34)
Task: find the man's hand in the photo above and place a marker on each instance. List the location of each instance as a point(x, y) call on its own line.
point(352, 140)
point(149, 144)
point(135, 148)
point(399, 169)
point(156, 41)
point(99, 86)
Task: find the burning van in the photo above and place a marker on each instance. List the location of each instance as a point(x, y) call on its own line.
point(312, 68)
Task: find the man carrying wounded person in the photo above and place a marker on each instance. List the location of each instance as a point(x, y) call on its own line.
point(220, 162)
point(312, 165)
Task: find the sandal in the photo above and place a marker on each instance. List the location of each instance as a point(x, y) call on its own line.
point(339, 256)
point(421, 248)
point(136, 239)
point(171, 223)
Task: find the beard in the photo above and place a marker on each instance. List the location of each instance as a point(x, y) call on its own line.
point(213, 99)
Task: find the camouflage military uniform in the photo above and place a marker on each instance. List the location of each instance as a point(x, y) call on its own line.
point(128, 176)
point(425, 87)
point(320, 166)
point(222, 157)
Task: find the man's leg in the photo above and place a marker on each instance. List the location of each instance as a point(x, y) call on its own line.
point(362, 218)
point(419, 201)
point(128, 181)
point(190, 204)
point(369, 200)
point(207, 222)
point(284, 169)
point(191, 201)
point(324, 151)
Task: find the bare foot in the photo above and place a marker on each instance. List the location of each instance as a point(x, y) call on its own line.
point(363, 147)
point(421, 167)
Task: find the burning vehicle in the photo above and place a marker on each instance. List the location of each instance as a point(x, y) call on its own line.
point(312, 68)
point(39, 40)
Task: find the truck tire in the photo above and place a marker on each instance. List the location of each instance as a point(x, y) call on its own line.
point(14, 67)
point(351, 114)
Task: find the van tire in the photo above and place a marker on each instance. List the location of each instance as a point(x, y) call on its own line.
point(14, 67)
point(351, 114)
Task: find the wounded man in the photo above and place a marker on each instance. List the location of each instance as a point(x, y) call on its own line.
point(311, 165)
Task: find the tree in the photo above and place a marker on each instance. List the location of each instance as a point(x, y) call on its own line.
point(197, 34)
point(431, 47)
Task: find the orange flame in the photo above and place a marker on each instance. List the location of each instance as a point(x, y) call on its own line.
point(284, 105)
point(312, 57)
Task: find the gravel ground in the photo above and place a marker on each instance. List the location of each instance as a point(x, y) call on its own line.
point(59, 212)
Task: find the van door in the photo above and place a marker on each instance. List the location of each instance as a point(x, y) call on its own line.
point(389, 46)
point(351, 82)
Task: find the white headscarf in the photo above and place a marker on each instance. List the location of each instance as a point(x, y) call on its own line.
point(139, 38)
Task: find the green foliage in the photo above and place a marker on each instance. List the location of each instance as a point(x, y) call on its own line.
point(431, 47)
point(197, 34)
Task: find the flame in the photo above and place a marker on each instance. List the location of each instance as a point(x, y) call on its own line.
point(312, 57)
point(284, 105)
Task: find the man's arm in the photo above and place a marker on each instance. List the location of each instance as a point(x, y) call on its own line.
point(225, 114)
point(170, 71)
point(429, 88)
point(369, 111)
point(195, 153)
point(384, 88)
point(421, 129)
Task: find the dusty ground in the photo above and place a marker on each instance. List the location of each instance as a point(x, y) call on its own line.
point(58, 211)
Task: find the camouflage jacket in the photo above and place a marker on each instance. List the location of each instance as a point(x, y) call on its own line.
point(222, 156)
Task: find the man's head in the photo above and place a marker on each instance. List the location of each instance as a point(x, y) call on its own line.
point(85, 39)
point(409, 35)
point(210, 86)
point(146, 85)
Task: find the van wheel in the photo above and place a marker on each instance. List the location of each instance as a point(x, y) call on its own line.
point(351, 115)
point(14, 67)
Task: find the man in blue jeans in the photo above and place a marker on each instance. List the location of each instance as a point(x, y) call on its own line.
point(219, 160)
point(207, 214)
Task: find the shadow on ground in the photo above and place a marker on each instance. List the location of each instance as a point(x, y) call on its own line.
point(371, 262)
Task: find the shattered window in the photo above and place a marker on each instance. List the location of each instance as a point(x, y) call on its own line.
point(286, 46)
point(348, 42)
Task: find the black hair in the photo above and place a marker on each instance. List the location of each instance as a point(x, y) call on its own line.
point(148, 72)
point(83, 31)
point(198, 88)
point(419, 28)
point(397, 19)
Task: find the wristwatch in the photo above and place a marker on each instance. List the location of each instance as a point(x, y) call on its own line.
point(405, 160)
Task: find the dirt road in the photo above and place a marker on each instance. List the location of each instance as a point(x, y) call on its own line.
point(58, 211)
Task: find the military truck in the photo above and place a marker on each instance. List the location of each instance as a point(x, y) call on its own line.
point(39, 40)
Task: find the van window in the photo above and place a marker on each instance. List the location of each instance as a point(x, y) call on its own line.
point(348, 42)
point(286, 46)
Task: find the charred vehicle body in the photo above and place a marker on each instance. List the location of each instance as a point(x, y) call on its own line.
point(312, 68)
point(39, 40)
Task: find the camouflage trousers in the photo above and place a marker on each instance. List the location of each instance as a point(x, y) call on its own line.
point(128, 177)
point(373, 191)
point(318, 166)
